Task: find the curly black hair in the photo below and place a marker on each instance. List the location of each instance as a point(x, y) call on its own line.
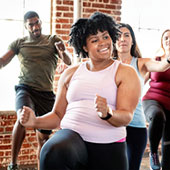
point(84, 27)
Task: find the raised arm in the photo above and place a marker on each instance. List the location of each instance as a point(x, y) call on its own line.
point(6, 58)
point(63, 53)
point(151, 65)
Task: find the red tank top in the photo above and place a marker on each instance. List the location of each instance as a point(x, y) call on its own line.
point(159, 88)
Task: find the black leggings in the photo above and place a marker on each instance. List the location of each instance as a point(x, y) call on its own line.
point(159, 127)
point(136, 143)
point(66, 150)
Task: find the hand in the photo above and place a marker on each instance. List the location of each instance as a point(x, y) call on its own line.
point(60, 46)
point(101, 106)
point(61, 67)
point(27, 117)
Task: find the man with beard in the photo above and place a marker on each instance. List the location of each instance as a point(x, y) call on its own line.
point(38, 55)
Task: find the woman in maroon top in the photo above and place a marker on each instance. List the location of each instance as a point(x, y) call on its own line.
point(156, 104)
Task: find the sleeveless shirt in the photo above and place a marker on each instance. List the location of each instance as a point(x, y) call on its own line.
point(159, 89)
point(138, 120)
point(81, 115)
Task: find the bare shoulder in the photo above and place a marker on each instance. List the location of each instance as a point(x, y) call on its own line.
point(125, 69)
point(68, 73)
point(125, 72)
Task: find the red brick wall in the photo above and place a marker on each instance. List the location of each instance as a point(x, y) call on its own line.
point(28, 151)
point(62, 21)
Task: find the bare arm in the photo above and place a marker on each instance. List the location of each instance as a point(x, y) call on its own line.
point(47, 121)
point(6, 58)
point(52, 119)
point(128, 94)
point(151, 65)
point(63, 53)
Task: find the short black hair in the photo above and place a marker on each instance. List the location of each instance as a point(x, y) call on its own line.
point(30, 14)
point(84, 27)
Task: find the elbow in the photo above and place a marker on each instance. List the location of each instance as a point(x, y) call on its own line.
point(125, 121)
point(129, 119)
point(55, 127)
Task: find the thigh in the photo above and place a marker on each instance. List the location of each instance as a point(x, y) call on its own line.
point(64, 150)
point(23, 98)
point(44, 102)
point(111, 156)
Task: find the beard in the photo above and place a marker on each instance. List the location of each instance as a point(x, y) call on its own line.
point(36, 33)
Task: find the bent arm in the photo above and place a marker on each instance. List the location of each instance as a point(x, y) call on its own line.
point(128, 94)
point(48, 121)
point(157, 66)
point(52, 119)
point(6, 58)
point(63, 53)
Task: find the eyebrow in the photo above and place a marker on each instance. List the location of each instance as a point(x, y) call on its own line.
point(126, 33)
point(94, 36)
point(32, 23)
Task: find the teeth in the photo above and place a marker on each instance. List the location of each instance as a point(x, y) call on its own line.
point(104, 49)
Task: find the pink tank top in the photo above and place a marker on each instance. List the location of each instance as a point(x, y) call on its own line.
point(159, 88)
point(80, 113)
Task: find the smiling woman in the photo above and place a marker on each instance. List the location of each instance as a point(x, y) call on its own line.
point(12, 27)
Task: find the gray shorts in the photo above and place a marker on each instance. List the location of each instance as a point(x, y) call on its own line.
point(41, 102)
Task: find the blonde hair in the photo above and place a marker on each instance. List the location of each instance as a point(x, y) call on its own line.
point(167, 30)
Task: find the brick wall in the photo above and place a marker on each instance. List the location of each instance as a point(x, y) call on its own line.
point(28, 151)
point(62, 21)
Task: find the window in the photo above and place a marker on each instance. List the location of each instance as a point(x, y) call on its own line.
point(148, 18)
point(11, 21)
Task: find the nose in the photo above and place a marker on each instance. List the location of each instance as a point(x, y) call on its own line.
point(101, 42)
point(121, 38)
point(35, 26)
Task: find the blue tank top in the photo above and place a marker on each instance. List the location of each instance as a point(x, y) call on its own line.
point(138, 117)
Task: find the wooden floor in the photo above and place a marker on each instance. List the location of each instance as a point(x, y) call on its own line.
point(144, 165)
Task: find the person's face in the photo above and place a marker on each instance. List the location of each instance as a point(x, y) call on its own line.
point(33, 25)
point(166, 41)
point(124, 42)
point(99, 46)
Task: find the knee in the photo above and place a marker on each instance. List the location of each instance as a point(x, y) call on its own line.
point(52, 156)
point(157, 116)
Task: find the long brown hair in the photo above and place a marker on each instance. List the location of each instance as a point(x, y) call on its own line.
point(135, 52)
